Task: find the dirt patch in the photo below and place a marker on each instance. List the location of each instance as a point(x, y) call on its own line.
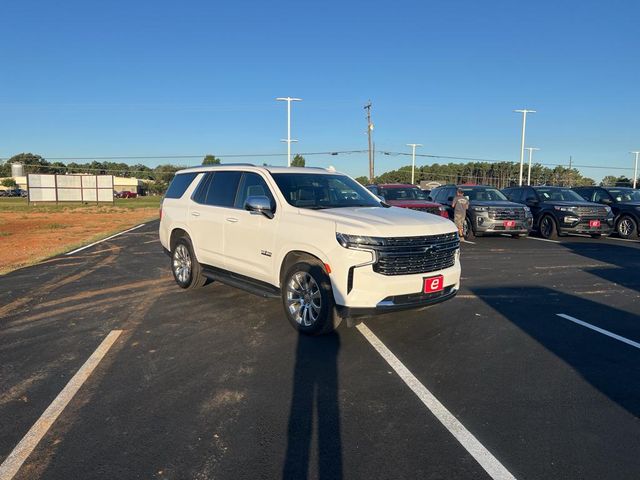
point(28, 237)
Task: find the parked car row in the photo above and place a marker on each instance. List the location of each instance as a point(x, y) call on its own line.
point(518, 211)
point(16, 192)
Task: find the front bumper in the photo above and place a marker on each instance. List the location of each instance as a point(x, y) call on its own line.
point(401, 302)
point(485, 225)
point(581, 225)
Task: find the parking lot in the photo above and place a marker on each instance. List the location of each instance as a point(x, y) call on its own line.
point(537, 358)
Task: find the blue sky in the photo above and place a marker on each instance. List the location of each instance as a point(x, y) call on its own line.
point(84, 78)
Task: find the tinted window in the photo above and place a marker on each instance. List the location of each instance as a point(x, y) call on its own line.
point(179, 185)
point(407, 193)
point(483, 194)
point(558, 194)
point(200, 195)
point(599, 195)
point(513, 194)
point(317, 191)
point(222, 189)
point(625, 194)
point(253, 185)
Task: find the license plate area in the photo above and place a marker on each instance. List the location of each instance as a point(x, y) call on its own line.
point(509, 223)
point(433, 284)
point(594, 223)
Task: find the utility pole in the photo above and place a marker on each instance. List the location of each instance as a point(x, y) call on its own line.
point(367, 107)
point(524, 128)
point(635, 169)
point(570, 161)
point(413, 162)
point(531, 149)
point(288, 140)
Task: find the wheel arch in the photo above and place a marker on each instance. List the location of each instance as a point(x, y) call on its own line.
point(296, 256)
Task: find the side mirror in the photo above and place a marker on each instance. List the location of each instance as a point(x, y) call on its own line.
point(259, 205)
point(607, 201)
point(532, 201)
point(381, 198)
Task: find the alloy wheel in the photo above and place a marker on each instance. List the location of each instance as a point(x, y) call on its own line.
point(303, 299)
point(625, 227)
point(182, 263)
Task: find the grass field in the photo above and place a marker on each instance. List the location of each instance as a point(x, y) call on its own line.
point(31, 233)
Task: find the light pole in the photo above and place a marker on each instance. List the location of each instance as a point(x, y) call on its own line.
point(524, 128)
point(531, 149)
point(635, 169)
point(413, 162)
point(288, 140)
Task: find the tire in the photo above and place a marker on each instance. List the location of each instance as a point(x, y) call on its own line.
point(626, 227)
point(308, 300)
point(468, 230)
point(187, 272)
point(596, 235)
point(548, 228)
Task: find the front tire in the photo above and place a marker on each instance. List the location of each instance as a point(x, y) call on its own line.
point(626, 227)
point(468, 230)
point(186, 270)
point(308, 300)
point(548, 228)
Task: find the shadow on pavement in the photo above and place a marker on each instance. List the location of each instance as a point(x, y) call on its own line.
point(625, 261)
point(607, 364)
point(315, 396)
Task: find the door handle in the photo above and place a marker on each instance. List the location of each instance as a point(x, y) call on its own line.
point(195, 214)
point(232, 219)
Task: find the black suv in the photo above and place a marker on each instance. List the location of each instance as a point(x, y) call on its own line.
point(625, 203)
point(489, 211)
point(560, 210)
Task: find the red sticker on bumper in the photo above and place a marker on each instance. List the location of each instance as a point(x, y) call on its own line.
point(594, 223)
point(433, 284)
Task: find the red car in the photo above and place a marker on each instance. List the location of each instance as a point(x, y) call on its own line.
point(407, 196)
point(126, 194)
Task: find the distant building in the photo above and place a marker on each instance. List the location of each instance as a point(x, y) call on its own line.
point(120, 184)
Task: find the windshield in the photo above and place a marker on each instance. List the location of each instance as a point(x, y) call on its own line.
point(318, 191)
point(407, 193)
point(625, 194)
point(483, 194)
point(562, 194)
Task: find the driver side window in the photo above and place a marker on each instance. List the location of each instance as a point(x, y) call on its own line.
point(253, 185)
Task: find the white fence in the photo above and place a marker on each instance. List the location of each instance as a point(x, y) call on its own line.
point(70, 188)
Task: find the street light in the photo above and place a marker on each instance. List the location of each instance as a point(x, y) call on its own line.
point(288, 140)
point(413, 163)
point(524, 127)
point(531, 149)
point(635, 169)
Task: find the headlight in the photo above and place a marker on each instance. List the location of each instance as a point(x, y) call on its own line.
point(526, 209)
point(565, 209)
point(607, 209)
point(358, 241)
point(479, 209)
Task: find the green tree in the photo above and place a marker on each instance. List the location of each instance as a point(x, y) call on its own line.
point(298, 161)
point(210, 160)
point(362, 180)
point(33, 163)
point(9, 182)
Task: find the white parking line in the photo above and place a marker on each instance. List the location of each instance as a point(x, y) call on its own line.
point(599, 330)
point(17, 457)
point(104, 239)
point(467, 241)
point(470, 443)
point(543, 239)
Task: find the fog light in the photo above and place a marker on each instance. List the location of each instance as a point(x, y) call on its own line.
point(480, 220)
point(571, 219)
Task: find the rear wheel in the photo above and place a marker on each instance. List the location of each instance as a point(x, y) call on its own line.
point(548, 228)
point(626, 227)
point(308, 301)
point(187, 272)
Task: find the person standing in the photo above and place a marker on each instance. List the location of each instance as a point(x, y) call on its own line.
point(460, 205)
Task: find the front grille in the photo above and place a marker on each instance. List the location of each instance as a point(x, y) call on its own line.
point(595, 212)
point(434, 210)
point(411, 255)
point(506, 213)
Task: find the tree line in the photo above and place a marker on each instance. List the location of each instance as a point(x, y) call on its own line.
point(498, 174)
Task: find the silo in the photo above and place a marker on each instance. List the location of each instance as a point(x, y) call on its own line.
point(17, 170)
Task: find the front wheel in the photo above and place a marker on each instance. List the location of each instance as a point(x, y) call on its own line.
point(187, 272)
point(548, 228)
point(308, 301)
point(626, 227)
point(468, 230)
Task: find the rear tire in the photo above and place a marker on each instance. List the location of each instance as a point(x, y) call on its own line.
point(627, 227)
point(548, 228)
point(187, 272)
point(307, 298)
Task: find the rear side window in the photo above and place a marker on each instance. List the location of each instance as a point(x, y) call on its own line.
point(179, 185)
point(222, 189)
point(200, 195)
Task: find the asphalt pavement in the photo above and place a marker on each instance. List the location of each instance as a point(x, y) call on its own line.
point(537, 359)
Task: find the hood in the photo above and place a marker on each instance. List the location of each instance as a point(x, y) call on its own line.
point(631, 204)
point(383, 222)
point(571, 203)
point(495, 203)
point(412, 203)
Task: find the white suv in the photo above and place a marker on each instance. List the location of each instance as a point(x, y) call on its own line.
point(316, 238)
